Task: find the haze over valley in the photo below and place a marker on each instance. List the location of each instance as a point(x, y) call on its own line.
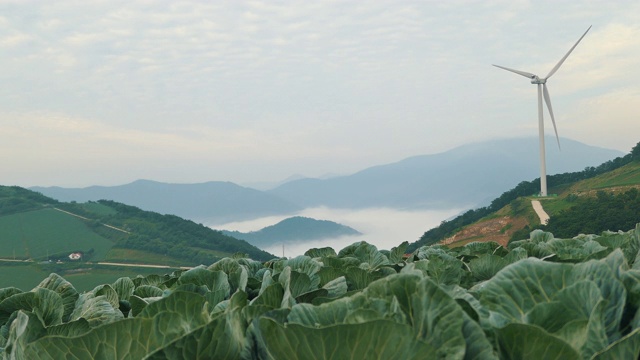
point(383, 227)
point(389, 203)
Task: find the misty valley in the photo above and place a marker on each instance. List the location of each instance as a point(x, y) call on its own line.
point(285, 280)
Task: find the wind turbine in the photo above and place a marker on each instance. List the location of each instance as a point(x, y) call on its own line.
point(542, 89)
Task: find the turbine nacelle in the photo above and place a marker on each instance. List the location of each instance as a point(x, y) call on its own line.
point(536, 80)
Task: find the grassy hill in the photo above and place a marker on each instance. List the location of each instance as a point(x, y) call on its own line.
point(590, 201)
point(37, 235)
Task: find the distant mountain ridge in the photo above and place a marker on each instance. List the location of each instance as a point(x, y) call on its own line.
point(295, 228)
point(214, 200)
point(466, 176)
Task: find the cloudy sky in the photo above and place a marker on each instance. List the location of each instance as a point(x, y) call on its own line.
point(107, 92)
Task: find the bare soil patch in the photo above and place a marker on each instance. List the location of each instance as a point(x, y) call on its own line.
point(497, 229)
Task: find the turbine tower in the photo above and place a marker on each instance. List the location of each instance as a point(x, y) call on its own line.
point(542, 89)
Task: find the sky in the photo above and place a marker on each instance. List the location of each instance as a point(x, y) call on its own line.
point(107, 92)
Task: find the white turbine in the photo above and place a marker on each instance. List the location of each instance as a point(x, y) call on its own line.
point(542, 88)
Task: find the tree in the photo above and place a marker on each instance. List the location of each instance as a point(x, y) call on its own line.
point(635, 152)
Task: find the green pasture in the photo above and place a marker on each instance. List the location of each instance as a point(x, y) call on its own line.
point(55, 233)
point(24, 276)
point(133, 256)
point(97, 208)
point(630, 177)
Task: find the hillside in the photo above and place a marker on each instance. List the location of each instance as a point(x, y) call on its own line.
point(591, 201)
point(35, 227)
point(294, 229)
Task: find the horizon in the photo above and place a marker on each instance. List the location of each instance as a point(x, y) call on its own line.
point(269, 185)
point(107, 93)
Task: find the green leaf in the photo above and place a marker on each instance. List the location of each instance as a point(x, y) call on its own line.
point(284, 278)
point(219, 339)
point(438, 320)
point(486, 266)
point(237, 274)
point(328, 274)
point(6, 292)
point(358, 279)
point(518, 288)
point(396, 255)
point(189, 305)
point(320, 252)
point(380, 339)
point(137, 304)
point(336, 287)
point(46, 304)
point(300, 284)
point(271, 296)
point(70, 329)
point(214, 280)
point(63, 288)
point(129, 339)
point(97, 310)
point(145, 291)
point(309, 296)
point(152, 279)
point(109, 293)
point(25, 329)
point(626, 348)
point(522, 341)
point(402, 287)
point(477, 345)
point(124, 287)
point(366, 253)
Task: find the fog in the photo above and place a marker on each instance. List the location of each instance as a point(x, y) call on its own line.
point(382, 227)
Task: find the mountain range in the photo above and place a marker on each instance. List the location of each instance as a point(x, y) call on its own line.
point(214, 201)
point(466, 176)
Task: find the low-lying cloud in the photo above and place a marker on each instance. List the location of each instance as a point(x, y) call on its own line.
point(383, 227)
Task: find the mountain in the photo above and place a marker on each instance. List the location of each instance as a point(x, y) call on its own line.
point(468, 175)
point(211, 202)
point(35, 227)
point(295, 228)
point(465, 176)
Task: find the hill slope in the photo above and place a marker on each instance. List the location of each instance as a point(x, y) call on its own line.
point(465, 176)
point(33, 226)
point(589, 201)
point(294, 229)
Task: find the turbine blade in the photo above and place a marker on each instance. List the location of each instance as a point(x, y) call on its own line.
point(547, 100)
point(523, 73)
point(555, 68)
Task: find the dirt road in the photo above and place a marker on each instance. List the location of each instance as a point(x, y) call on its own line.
point(537, 206)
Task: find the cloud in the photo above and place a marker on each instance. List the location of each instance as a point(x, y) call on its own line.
point(385, 228)
point(353, 83)
point(592, 119)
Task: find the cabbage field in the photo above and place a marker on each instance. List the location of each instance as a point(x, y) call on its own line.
point(540, 298)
